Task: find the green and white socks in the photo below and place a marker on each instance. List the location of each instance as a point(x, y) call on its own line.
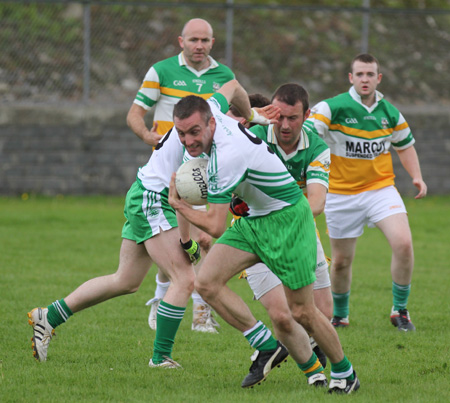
point(58, 313)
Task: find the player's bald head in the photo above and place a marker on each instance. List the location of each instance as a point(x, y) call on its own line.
point(197, 25)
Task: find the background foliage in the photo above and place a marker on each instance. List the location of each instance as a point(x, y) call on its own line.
point(45, 58)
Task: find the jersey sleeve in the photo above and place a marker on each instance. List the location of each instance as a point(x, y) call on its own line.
point(149, 93)
point(402, 137)
point(219, 102)
point(318, 170)
point(260, 132)
point(321, 118)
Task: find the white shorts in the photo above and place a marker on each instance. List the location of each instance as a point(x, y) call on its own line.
point(346, 215)
point(261, 280)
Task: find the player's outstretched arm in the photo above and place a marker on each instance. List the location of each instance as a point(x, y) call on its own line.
point(236, 95)
point(410, 161)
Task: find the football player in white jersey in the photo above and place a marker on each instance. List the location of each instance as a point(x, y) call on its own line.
point(280, 224)
point(267, 288)
point(150, 235)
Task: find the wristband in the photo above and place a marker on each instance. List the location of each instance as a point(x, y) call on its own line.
point(187, 246)
point(258, 119)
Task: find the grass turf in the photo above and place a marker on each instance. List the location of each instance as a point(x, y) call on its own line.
point(48, 246)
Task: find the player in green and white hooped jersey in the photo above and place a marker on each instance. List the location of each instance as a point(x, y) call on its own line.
point(150, 235)
point(279, 231)
point(192, 72)
point(360, 126)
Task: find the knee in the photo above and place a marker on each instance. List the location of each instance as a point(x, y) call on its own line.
point(205, 289)
point(205, 241)
point(304, 316)
point(326, 309)
point(126, 286)
point(341, 263)
point(187, 283)
point(404, 249)
point(282, 321)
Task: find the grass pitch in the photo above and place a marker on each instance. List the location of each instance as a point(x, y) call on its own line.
point(48, 246)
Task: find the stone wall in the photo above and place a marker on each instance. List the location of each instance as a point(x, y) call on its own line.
point(90, 150)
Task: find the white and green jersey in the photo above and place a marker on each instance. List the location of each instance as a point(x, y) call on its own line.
point(172, 79)
point(242, 164)
point(167, 157)
point(359, 138)
point(309, 163)
point(239, 163)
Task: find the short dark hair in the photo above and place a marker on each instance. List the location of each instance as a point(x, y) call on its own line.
point(187, 106)
point(365, 58)
point(292, 93)
point(256, 101)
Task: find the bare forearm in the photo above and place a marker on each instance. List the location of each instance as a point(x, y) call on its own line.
point(316, 205)
point(410, 162)
point(136, 122)
point(317, 194)
point(137, 125)
point(201, 219)
point(184, 228)
point(236, 95)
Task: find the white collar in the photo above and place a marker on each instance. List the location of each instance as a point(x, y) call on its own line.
point(212, 65)
point(378, 97)
point(303, 142)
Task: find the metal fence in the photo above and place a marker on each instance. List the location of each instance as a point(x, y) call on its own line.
point(55, 52)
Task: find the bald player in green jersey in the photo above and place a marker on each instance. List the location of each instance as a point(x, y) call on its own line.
point(192, 72)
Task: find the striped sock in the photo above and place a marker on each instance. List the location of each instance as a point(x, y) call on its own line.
point(342, 370)
point(58, 313)
point(168, 319)
point(341, 304)
point(312, 366)
point(401, 294)
point(260, 337)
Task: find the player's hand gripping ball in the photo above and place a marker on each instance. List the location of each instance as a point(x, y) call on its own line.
point(191, 181)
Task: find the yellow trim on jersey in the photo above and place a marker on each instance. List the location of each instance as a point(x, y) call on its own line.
point(320, 165)
point(402, 126)
point(181, 94)
point(364, 134)
point(150, 84)
point(367, 174)
point(321, 117)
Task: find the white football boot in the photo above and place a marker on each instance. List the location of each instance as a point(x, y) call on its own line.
point(42, 332)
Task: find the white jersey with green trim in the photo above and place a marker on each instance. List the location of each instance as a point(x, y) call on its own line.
point(168, 155)
point(172, 79)
point(240, 163)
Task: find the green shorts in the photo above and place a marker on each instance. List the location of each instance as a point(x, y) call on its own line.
point(284, 240)
point(147, 213)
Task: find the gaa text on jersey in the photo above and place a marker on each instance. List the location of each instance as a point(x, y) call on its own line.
point(352, 121)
